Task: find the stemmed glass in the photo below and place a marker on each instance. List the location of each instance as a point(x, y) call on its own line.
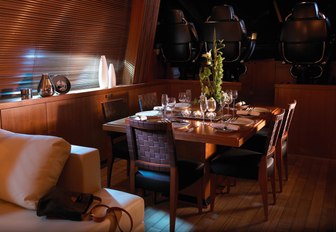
point(234, 97)
point(182, 97)
point(203, 106)
point(211, 108)
point(171, 104)
point(227, 101)
point(164, 103)
point(221, 101)
point(188, 96)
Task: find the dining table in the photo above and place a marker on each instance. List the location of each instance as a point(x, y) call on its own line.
point(198, 140)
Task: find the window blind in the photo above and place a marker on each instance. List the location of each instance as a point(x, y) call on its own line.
point(60, 37)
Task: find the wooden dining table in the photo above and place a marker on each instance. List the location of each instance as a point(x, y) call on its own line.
point(198, 141)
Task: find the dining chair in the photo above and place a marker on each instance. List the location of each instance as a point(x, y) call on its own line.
point(114, 109)
point(147, 101)
point(155, 165)
point(256, 143)
point(282, 146)
point(249, 164)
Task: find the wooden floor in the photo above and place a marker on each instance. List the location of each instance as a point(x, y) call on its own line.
point(307, 203)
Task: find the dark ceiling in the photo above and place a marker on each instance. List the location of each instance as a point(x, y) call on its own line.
point(259, 16)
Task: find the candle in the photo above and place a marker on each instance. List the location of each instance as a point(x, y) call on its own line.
point(197, 114)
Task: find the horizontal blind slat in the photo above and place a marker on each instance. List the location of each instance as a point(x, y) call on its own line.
point(60, 37)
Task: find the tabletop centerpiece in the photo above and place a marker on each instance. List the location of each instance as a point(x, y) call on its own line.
point(211, 71)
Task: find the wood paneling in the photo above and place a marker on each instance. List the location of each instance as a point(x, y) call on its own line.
point(30, 119)
point(258, 82)
point(76, 117)
point(313, 126)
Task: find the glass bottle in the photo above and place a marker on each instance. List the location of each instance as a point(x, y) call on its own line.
point(45, 88)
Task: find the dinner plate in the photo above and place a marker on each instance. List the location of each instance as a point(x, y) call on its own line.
point(149, 113)
point(260, 109)
point(223, 127)
point(180, 123)
point(160, 108)
point(241, 121)
point(182, 105)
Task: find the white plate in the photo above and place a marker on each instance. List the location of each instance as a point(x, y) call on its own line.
point(160, 108)
point(182, 105)
point(241, 121)
point(149, 113)
point(260, 109)
point(180, 123)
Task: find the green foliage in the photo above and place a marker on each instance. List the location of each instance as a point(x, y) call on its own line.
point(211, 72)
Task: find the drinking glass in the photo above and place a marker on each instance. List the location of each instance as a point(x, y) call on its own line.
point(188, 96)
point(182, 97)
point(211, 108)
point(171, 104)
point(227, 101)
point(221, 102)
point(164, 103)
point(234, 97)
point(203, 106)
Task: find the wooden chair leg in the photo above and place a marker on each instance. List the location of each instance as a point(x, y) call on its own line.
point(200, 197)
point(213, 183)
point(263, 189)
point(285, 165)
point(279, 170)
point(273, 187)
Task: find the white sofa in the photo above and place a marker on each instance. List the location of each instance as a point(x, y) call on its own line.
point(81, 172)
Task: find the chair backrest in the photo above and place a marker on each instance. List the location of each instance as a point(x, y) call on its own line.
point(147, 101)
point(114, 109)
point(178, 38)
point(287, 120)
point(238, 45)
point(151, 145)
point(306, 41)
point(274, 133)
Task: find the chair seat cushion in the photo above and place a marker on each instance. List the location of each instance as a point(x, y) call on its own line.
point(189, 172)
point(258, 141)
point(238, 162)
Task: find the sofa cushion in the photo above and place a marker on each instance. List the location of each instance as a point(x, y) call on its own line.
point(29, 166)
point(17, 219)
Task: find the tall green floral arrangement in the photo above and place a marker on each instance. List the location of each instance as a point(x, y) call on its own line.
point(211, 72)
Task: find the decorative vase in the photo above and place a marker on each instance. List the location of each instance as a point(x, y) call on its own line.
point(45, 88)
point(112, 82)
point(103, 73)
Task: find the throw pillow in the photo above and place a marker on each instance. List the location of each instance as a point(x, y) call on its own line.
point(30, 166)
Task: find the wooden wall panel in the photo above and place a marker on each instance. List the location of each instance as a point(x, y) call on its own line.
point(30, 119)
point(79, 120)
point(313, 127)
point(258, 82)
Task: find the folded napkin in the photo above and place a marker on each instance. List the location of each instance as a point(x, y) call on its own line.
point(223, 126)
point(140, 118)
point(248, 112)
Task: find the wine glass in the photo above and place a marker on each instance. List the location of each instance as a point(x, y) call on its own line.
point(188, 96)
point(221, 102)
point(203, 106)
point(164, 103)
point(171, 104)
point(211, 108)
point(182, 97)
point(234, 97)
point(227, 101)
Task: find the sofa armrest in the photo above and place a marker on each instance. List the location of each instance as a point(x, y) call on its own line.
point(81, 172)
